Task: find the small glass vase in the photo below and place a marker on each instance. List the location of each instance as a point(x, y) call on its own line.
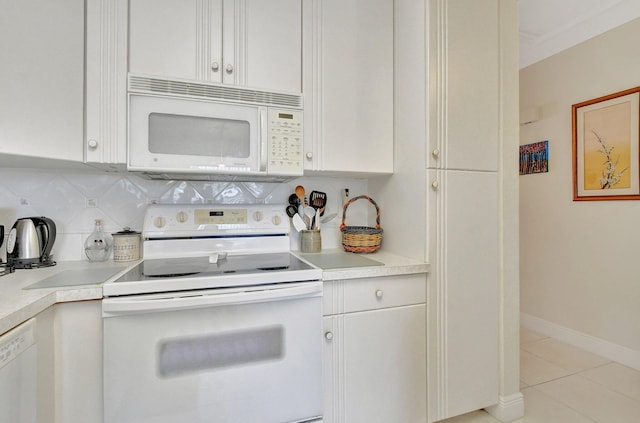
point(98, 245)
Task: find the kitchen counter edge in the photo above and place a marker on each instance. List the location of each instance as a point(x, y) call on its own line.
point(17, 305)
point(392, 265)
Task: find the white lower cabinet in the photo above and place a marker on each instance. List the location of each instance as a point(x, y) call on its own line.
point(78, 362)
point(26, 371)
point(375, 350)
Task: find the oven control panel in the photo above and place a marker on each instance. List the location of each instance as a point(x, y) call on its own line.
point(214, 220)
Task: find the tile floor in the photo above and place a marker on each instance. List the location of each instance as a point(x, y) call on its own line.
point(563, 384)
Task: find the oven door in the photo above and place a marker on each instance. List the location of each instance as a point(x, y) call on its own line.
point(225, 355)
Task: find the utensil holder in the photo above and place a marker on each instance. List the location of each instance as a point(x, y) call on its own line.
point(361, 239)
point(310, 241)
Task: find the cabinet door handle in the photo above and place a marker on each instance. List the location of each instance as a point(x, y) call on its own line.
point(436, 153)
point(328, 336)
point(435, 185)
point(215, 66)
point(309, 155)
point(229, 68)
point(93, 144)
point(379, 293)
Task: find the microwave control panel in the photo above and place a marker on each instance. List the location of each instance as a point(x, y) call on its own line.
point(285, 142)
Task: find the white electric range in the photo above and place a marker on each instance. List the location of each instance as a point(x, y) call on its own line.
point(219, 322)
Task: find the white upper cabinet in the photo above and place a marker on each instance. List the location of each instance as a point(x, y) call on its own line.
point(468, 76)
point(105, 143)
point(253, 43)
point(349, 86)
point(41, 78)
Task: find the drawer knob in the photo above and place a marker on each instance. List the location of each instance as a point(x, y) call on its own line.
point(379, 293)
point(328, 336)
point(93, 144)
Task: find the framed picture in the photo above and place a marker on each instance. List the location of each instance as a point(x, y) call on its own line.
point(534, 158)
point(606, 150)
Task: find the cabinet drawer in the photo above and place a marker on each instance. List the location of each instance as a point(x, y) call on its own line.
point(346, 296)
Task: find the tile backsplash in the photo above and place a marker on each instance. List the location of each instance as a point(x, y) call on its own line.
point(74, 199)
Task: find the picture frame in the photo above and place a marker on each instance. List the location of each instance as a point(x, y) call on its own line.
point(534, 158)
point(606, 147)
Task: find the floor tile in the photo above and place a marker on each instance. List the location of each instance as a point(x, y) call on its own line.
point(617, 377)
point(528, 335)
point(566, 356)
point(592, 399)
point(535, 370)
point(479, 416)
point(541, 408)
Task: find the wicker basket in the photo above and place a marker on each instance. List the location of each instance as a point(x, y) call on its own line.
point(361, 239)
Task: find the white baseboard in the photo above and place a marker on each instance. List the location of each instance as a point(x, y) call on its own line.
point(606, 349)
point(508, 408)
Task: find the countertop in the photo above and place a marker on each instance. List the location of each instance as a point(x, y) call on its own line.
point(18, 305)
point(82, 280)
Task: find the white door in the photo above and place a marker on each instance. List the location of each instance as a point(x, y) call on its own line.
point(463, 292)
point(375, 362)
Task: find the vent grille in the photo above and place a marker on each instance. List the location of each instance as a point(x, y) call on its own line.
point(214, 92)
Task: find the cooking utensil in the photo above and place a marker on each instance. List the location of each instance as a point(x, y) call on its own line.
point(293, 200)
point(309, 213)
point(291, 210)
point(328, 217)
point(317, 199)
point(298, 223)
point(300, 193)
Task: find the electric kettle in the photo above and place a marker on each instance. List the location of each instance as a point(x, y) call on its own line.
point(29, 243)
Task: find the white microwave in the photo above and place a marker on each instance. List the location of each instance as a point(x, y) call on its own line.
point(192, 130)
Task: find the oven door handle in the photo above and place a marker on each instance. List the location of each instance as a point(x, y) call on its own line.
point(112, 307)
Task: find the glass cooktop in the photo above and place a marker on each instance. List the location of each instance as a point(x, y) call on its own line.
point(186, 267)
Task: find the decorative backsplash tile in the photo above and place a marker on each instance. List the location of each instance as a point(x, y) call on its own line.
point(74, 199)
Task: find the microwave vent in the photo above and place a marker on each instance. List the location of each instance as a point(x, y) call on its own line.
point(144, 84)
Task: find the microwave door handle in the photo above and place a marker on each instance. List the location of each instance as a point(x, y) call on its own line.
point(263, 139)
point(126, 306)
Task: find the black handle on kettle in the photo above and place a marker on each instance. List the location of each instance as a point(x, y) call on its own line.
point(50, 227)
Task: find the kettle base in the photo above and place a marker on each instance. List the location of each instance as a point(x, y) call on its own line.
point(29, 263)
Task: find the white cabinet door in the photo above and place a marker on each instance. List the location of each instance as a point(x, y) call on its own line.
point(78, 361)
point(105, 143)
point(375, 363)
point(176, 38)
point(374, 354)
point(349, 86)
point(252, 43)
point(272, 49)
point(462, 291)
point(464, 65)
point(41, 78)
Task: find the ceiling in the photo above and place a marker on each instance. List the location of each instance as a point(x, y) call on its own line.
point(550, 26)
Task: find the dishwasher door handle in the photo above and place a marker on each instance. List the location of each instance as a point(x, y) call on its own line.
point(112, 307)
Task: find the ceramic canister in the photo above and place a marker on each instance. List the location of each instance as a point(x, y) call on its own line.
point(126, 245)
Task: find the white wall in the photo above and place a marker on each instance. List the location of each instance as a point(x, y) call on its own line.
point(74, 199)
point(579, 272)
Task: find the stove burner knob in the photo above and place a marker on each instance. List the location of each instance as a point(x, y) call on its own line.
point(257, 216)
point(182, 217)
point(276, 220)
point(159, 222)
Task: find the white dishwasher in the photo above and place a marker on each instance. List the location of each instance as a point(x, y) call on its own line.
point(18, 374)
